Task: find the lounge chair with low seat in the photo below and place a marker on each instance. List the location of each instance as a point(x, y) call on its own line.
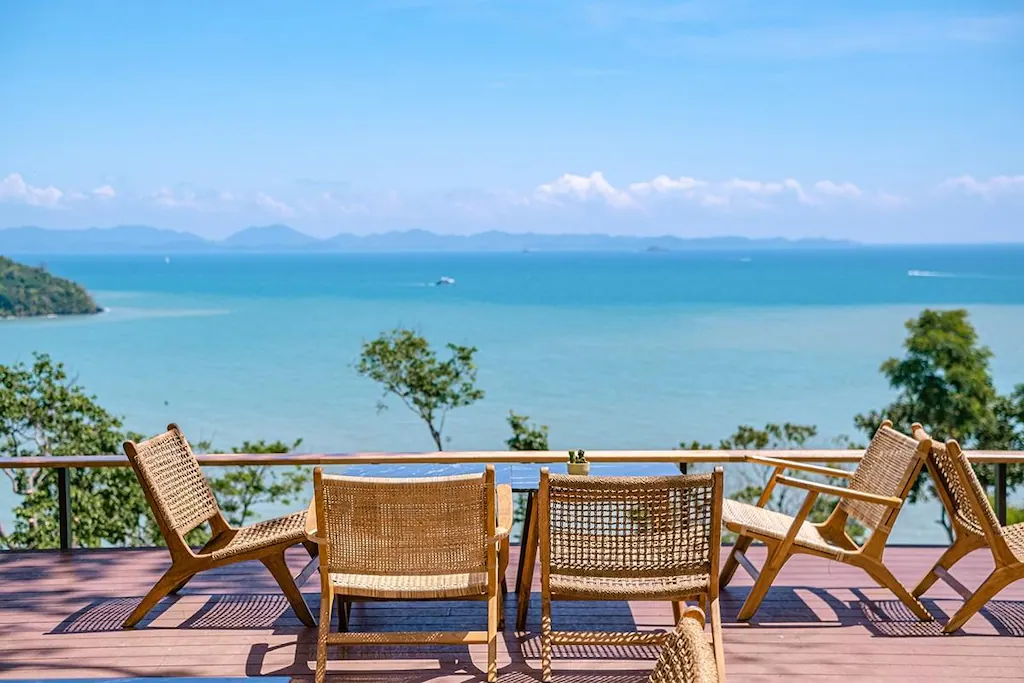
point(974, 525)
point(629, 538)
point(874, 496)
point(436, 538)
point(181, 500)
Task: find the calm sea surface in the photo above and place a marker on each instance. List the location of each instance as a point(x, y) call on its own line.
point(612, 351)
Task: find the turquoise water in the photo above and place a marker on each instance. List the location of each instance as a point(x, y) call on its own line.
point(611, 351)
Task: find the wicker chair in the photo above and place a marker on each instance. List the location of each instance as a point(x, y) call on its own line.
point(629, 538)
point(876, 491)
point(975, 526)
point(409, 539)
point(687, 656)
point(181, 500)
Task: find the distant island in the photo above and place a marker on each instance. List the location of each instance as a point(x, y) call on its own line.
point(127, 239)
point(26, 291)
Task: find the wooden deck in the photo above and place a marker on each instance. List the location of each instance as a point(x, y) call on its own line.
point(60, 617)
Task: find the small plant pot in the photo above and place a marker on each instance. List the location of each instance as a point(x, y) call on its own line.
point(580, 468)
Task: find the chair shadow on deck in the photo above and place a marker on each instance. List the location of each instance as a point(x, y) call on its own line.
point(456, 660)
point(784, 607)
point(219, 612)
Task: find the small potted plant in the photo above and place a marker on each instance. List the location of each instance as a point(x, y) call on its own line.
point(578, 462)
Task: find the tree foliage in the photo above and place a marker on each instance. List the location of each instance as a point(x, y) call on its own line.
point(406, 366)
point(44, 413)
point(944, 382)
point(526, 436)
point(28, 291)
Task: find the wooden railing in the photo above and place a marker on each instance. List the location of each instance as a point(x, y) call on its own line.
point(682, 458)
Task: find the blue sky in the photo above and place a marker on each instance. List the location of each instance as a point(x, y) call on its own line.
point(881, 121)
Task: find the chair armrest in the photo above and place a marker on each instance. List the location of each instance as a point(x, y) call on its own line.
point(794, 465)
point(499, 534)
point(504, 501)
point(817, 487)
point(311, 530)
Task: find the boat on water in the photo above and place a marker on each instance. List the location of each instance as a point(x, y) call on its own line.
point(445, 280)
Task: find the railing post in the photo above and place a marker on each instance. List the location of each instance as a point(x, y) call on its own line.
point(1001, 492)
point(64, 508)
point(682, 468)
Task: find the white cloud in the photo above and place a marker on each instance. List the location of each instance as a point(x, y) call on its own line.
point(183, 199)
point(663, 184)
point(831, 189)
point(104, 192)
point(14, 189)
point(985, 188)
point(755, 187)
point(584, 188)
point(267, 202)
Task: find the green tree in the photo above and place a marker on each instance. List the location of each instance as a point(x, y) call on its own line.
point(241, 489)
point(944, 382)
point(43, 413)
point(526, 436)
point(773, 436)
point(406, 366)
point(28, 291)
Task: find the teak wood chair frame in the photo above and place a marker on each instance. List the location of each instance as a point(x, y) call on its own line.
point(629, 538)
point(379, 540)
point(877, 489)
point(975, 526)
point(181, 500)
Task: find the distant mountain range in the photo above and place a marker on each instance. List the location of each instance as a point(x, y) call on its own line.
point(128, 239)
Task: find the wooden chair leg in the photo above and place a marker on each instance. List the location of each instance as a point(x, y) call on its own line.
point(279, 569)
point(949, 557)
point(326, 602)
point(677, 611)
point(545, 638)
point(729, 568)
point(528, 548)
point(312, 548)
point(493, 609)
point(181, 584)
point(772, 567)
point(162, 589)
point(881, 574)
point(995, 582)
point(343, 614)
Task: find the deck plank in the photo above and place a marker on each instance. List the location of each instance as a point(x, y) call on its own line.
point(60, 617)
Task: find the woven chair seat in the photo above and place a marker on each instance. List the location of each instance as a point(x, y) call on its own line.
point(688, 657)
point(1014, 537)
point(265, 534)
point(410, 587)
point(746, 519)
point(628, 587)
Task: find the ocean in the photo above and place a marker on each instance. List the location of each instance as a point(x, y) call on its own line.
point(610, 350)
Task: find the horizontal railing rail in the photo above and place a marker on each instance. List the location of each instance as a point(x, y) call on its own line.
point(484, 457)
point(682, 458)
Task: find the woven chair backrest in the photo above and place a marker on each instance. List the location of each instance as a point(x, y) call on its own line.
point(630, 526)
point(174, 484)
point(948, 479)
point(423, 526)
point(970, 487)
point(890, 464)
